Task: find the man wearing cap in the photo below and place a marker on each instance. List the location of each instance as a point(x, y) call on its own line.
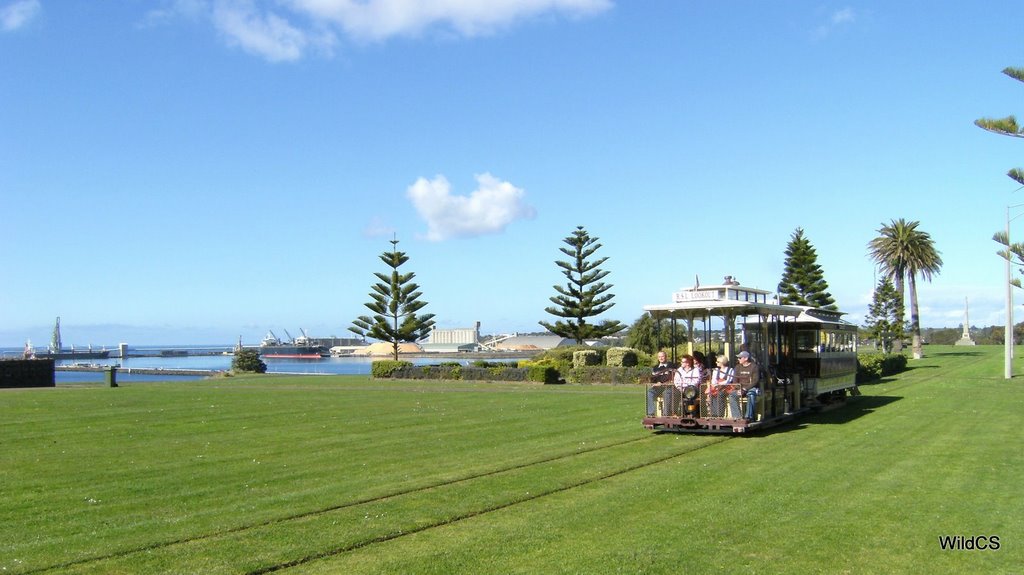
point(747, 375)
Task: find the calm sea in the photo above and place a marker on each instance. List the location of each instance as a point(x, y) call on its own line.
point(323, 366)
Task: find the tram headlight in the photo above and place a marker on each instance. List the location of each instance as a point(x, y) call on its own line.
point(690, 391)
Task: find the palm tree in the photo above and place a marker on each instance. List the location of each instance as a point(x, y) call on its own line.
point(902, 252)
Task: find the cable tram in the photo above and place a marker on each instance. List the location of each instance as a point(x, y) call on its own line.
point(804, 358)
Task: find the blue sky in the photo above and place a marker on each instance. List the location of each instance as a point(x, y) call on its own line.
point(193, 171)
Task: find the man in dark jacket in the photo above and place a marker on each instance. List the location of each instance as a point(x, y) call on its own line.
point(661, 383)
point(747, 375)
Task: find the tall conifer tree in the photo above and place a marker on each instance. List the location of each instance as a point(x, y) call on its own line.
point(1007, 126)
point(884, 321)
point(803, 282)
point(395, 303)
point(583, 296)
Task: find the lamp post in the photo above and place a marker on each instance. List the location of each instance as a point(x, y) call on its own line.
point(1008, 334)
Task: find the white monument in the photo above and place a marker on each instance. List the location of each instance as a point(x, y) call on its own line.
point(965, 338)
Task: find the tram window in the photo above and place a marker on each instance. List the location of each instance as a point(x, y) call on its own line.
point(806, 341)
point(847, 342)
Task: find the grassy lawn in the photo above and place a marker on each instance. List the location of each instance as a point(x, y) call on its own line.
point(348, 475)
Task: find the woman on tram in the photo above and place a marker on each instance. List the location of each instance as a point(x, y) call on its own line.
point(688, 374)
point(722, 386)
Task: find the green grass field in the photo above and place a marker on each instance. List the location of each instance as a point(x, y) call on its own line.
point(348, 475)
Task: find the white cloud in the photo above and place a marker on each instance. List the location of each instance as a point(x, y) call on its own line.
point(262, 33)
point(843, 16)
point(381, 19)
point(190, 9)
point(835, 20)
point(17, 14)
point(285, 30)
point(488, 210)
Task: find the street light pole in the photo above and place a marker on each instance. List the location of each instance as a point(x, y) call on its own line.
point(1008, 334)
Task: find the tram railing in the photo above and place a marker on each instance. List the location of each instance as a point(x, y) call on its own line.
point(668, 400)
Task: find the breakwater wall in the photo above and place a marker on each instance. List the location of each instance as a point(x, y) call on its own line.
point(142, 370)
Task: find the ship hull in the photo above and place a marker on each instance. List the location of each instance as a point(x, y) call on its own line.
point(291, 352)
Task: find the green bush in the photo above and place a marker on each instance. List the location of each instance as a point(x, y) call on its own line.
point(485, 363)
point(894, 363)
point(386, 367)
point(604, 374)
point(586, 357)
point(562, 357)
point(622, 357)
point(542, 374)
point(872, 366)
point(248, 361)
point(447, 371)
point(494, 373)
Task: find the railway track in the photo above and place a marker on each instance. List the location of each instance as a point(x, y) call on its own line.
point(631, 445)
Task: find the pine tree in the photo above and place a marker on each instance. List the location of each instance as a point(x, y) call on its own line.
point(395, 303)
point(1007, 126)
point(583, 295)
point(248, 361)
point(803, 282)
point(884, 321)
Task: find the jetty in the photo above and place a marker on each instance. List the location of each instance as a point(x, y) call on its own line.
point(142, 370)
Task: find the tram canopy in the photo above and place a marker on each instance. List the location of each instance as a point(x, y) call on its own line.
point(728, 300)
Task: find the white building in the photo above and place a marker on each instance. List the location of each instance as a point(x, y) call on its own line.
point(453, 340)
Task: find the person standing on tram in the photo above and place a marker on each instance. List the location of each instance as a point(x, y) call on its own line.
point(748, 375)
point(661, 383)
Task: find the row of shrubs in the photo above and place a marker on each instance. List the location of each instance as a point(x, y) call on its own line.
point(585, 366)
point(479, 371)
point(562, 365)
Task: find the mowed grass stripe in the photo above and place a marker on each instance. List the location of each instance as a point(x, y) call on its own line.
point(99, 471)
point(307, 515)
point(280, 546)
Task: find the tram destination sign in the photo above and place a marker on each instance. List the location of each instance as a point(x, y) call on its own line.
point(697, 295)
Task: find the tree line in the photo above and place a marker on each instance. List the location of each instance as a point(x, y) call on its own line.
point(901, 251)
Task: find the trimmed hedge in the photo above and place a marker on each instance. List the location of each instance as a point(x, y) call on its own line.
point(494, 373)
point(540, 372)
point(872, 366)
point(586, 357)
point(622, 357)
point(447, 372)
point(562, 357)
point(386, 367)
point(543, 374)
point(606, 374)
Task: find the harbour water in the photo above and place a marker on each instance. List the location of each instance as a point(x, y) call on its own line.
point(214, 359)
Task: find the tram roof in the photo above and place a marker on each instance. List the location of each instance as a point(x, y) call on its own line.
point(731, 299)
point(718, 308)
